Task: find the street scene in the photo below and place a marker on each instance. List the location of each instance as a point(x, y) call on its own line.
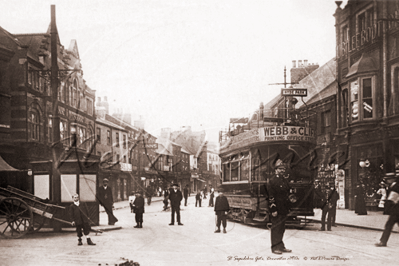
point(195, 243)
point(203, 132)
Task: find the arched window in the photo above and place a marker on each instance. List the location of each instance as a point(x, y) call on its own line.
point(34, 125)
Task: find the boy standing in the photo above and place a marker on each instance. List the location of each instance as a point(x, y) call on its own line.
point(80, 218)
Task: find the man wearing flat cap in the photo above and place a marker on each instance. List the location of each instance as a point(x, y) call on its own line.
point(105, 198)
point(175, 197)
point(221, 209)
point(279, 205)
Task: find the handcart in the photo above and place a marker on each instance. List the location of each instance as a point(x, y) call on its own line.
point(22, 213)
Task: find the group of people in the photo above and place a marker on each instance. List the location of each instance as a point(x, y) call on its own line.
point(201, 194)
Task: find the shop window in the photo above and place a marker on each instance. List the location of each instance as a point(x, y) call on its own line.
point(34, 125)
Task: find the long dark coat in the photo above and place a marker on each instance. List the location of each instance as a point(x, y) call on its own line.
point(221, 204)
point(139, 204)
point(79, 214)
point(360, 204)
point(175, 197)
point(278, 191)
point(104, 196)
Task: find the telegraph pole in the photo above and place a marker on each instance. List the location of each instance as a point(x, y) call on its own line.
point(56, 147)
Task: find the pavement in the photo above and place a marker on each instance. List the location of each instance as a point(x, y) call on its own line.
point(374, 220)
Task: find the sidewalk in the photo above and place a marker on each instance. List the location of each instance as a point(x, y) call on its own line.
point(373, 220)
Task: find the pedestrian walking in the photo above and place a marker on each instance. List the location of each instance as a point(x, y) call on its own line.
point(278, 192)
point(175, 197)
point(318, 197)
point(333, 200)
point(79, 214)
point(205, 191)
point(185, 194)
point(105, 198)
point(392, 205)
point(165, 199)
point(138, 205)
point(221, 209)
point(149, 193)
point(131, 200)
point(360, 204)
point(382, 191)
point(198, 199)
point(211, 196)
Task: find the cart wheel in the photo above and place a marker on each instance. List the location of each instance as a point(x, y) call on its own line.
point(16, 218)
point(38, 222)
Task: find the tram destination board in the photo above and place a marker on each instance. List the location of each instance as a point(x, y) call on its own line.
point(294, 92)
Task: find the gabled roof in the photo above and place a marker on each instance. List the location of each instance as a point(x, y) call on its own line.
point(184, 150)
point(163, 150)
point(120, 122)
point(108, 123)
point(317, 81)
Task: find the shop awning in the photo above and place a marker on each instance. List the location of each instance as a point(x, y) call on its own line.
point(5, 167)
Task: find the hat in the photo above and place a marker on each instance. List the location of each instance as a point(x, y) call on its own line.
point(280, 164)
point(175, 184)
point(105, 179)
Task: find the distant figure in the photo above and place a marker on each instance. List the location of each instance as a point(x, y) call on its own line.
point(205, 191)
point(318, 197)
point(198, 199)
point(149, 193)
point(175, 197)
point(132, 197)
point(80, 218)
point(211, 196)
point(221, 209)
point(165, 199)
point(329, 209)
point(185, 194)
point(383, 193)
point(139, 210)
point(392, 205)
point(106, 200)
point(360, 204)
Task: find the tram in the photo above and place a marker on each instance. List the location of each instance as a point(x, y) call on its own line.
point(248, 161)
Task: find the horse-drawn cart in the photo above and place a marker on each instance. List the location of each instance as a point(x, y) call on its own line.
point(22, 213)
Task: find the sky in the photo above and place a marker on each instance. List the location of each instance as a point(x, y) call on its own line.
point(182, 63)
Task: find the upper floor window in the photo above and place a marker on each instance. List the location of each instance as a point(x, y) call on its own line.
point(108, 137)
point(117, 139)
point(34, 125)
point(50, 130)
point(362, 99)
point(99, 135)
point(64, 132)
point(124, 141)
point(89, 106)
point(325, 122)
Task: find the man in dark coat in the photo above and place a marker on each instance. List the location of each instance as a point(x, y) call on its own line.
point(105, 198)
point(185, 194)
point(80, 218)
point(138, 206)
point(205, 191)
point(175, 197)
point(360, 204)
point(165, 199)
point(222, 207)
point(198, 199)
point(393, 211)
point(278, 191)
point(211, 196)
point(329, 209)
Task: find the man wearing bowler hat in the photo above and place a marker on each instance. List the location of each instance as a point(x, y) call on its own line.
point(221, 209)
point(279, 204)
point(105, 198)
point(175, 198)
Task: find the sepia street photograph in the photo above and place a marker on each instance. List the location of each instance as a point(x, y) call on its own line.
point(199, 132)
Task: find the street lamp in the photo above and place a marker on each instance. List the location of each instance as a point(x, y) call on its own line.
point(363, 163)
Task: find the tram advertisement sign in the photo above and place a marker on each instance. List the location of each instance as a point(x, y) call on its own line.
point(279, 133)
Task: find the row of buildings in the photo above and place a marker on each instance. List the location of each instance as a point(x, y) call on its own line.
point(92, 143)
point(352, 101)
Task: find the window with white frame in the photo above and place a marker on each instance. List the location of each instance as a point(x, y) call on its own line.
point(362, 99)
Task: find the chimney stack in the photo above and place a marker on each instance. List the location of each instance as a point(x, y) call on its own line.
point(294, 63)
point(99, 99)
point(105, 98)
point(305, 62)
point(299, 63)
